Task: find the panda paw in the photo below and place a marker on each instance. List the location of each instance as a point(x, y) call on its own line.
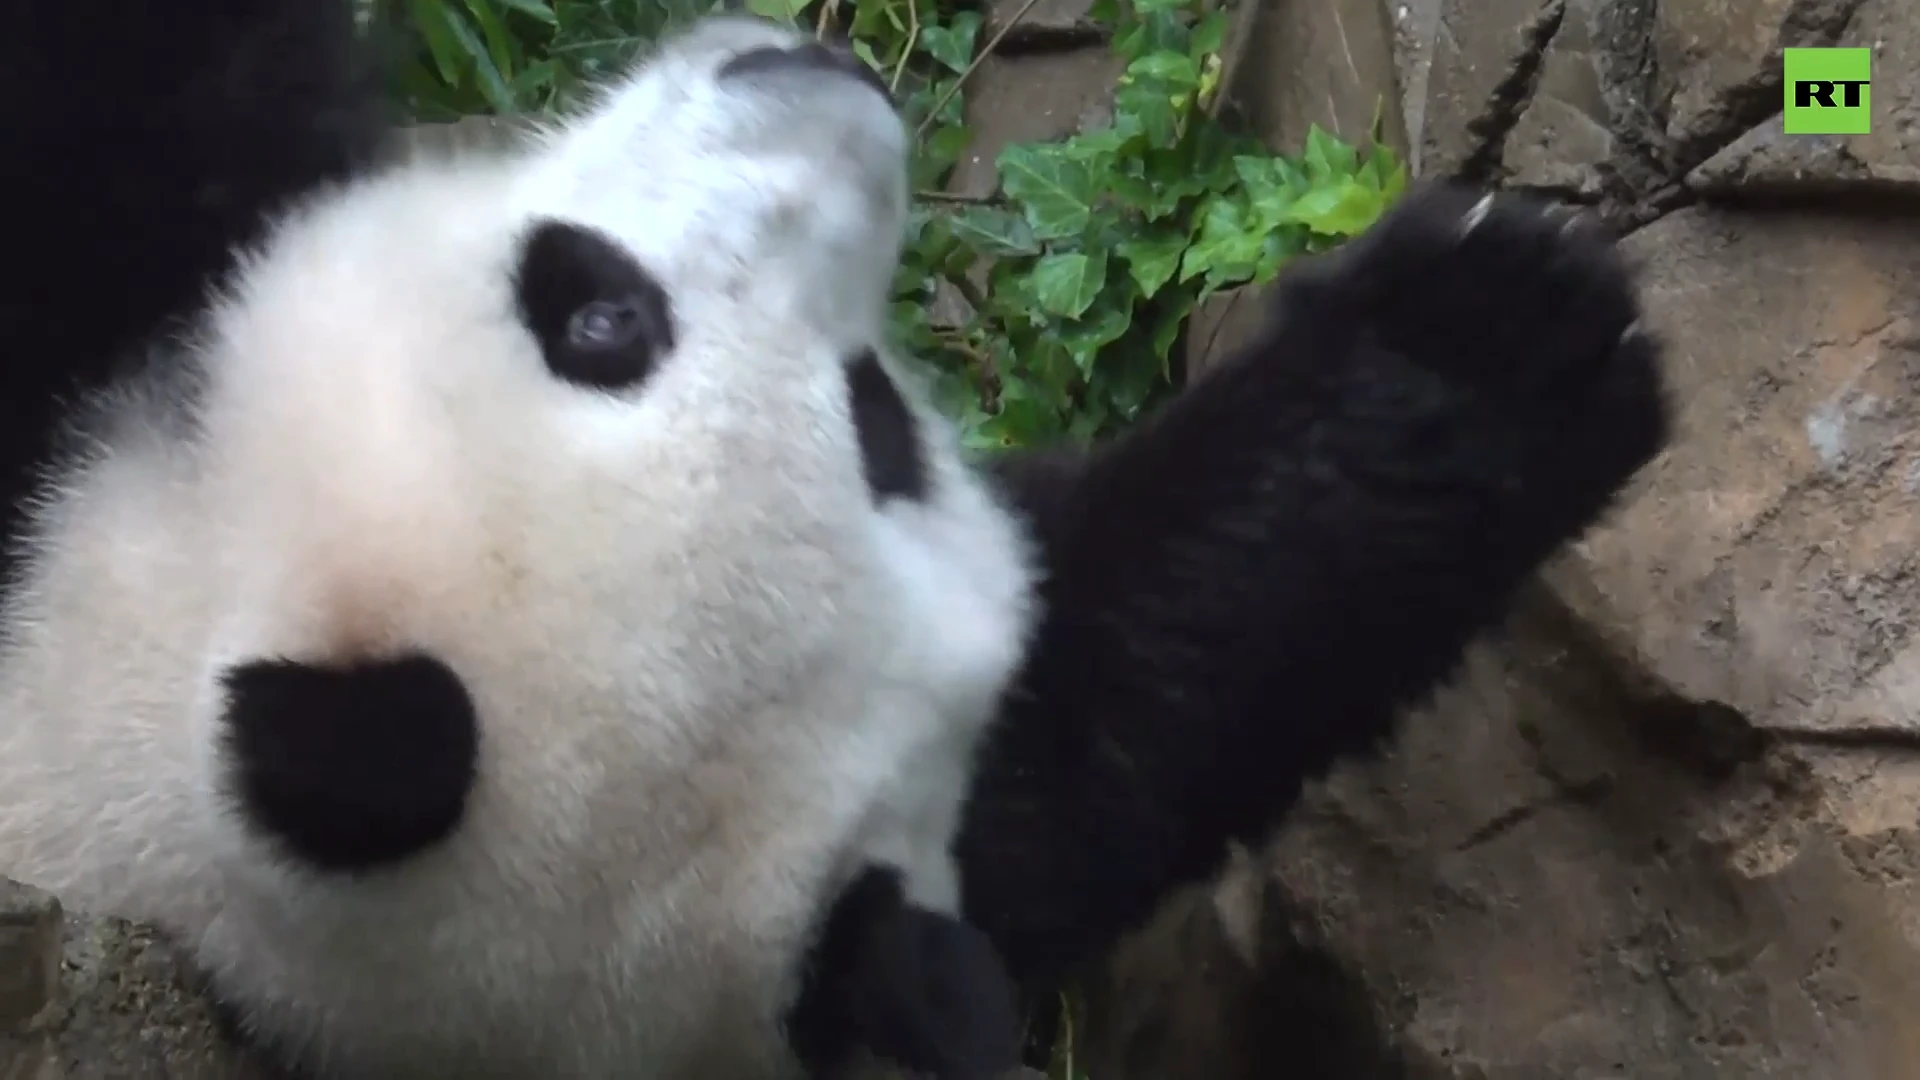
point(1525, 305)
point(916, 988)
point(938, 1001)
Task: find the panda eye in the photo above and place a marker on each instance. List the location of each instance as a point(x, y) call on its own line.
point(601, 320)
point(606, 324)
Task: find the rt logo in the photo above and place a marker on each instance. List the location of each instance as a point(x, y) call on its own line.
point(1828, 92)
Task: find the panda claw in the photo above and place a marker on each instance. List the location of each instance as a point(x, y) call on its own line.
point(1476, 214)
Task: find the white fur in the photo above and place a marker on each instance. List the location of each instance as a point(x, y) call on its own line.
point(707, 668)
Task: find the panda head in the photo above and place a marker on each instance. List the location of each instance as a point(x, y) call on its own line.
point(492, 635)
point(522, 586)
point(597, 423)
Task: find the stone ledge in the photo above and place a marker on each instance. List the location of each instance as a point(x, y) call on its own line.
point(109, 1000)
point(97, 998)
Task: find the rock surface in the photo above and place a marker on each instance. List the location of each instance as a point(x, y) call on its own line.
point(1766, 163)
point(1324, 62)
point(85, 998)
point(1666, 824)
point(91, 998)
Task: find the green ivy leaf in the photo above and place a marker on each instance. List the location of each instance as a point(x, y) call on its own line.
point(492, 83)
point(1163, 29)
point(1134, 192)
point(1272, 173)
point(1260, 173)
point(1175, 176)
point(1104, 151)
point(1065, 283)
point(952, 45)
point(1396, 185)
point(1278, 249)
point(1024, 417)
point(1129, 380)
point(1047, 366)
point(1084, 340)
point(1226, 246)
point(1054, 188)
point(785, 11)
point(1147, 109)
point(921, 99)
point(1209, 34)
point(1327, 158)
point(931, 243)
point(431, 18)
point(1087, 424)
point(538, 9)
point(501, 47)
point(937, 154)
point(1152, 258)
point(1177, 70)
point(1345, 208)
point(536, 81)
point(993, 232)
point(907, 327)
point(1174, 310)
point(1010, 296)
point(874, 22)
point(1384, 172)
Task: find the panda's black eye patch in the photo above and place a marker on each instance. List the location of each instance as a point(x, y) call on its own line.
point(602, 321)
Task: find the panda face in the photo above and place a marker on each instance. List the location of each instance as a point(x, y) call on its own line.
point(610, 409)
point(547, 582)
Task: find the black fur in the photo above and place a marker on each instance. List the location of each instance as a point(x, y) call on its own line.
point(354, 766)
point(1249, 586)
point(569, 275)
point(144, 142)
point(914, 987)
point(890, 448)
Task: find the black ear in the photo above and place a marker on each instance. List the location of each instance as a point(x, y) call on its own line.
point(911, 986)
point(353, 766)
point(889, 439)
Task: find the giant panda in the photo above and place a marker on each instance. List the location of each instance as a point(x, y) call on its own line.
point(510, 615)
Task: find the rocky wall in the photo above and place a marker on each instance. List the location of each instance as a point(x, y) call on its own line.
point(1667, 824)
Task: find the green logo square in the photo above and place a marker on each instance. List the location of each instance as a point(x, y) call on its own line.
point(1827, 91)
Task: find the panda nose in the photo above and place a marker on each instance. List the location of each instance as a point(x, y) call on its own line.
point(814, 56)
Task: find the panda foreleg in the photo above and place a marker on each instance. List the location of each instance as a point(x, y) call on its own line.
point(1252, 583)
point(906, 984)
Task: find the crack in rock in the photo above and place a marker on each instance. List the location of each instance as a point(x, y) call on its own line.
point(1510, 97)
point(1584, 793)
point(1745, 105)
point(1892, 740)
